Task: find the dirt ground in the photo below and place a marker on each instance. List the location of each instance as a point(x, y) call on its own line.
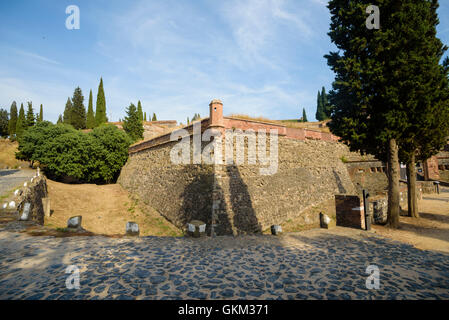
point(7, 155)
point(105, 210)
point(431, 230)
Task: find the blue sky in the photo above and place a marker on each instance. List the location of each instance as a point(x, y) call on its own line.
point(260, 57)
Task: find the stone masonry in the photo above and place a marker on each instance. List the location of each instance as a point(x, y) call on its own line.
point(237, 198)
point(33, 194)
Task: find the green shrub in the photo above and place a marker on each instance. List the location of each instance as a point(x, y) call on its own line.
point(114, 145)
point(71, 155)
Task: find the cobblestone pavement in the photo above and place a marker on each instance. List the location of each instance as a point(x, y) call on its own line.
point(315, 264)
point(13, 178)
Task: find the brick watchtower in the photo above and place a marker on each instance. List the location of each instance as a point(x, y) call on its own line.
point(216, 114)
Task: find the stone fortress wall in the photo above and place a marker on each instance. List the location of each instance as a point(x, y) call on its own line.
point(237, 199)
point(309, 172)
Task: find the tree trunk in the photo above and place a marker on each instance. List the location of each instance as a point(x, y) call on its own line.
point(411, 188)
point(393, 185)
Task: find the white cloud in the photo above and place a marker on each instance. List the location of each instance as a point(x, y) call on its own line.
point(36, 57)
point(256, 22)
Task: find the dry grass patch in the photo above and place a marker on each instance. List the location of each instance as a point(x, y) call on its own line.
point(105, 210)
point(8, 150)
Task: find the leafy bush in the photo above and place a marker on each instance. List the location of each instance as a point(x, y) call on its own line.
point(71, 155)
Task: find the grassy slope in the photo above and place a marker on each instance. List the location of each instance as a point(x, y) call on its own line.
point(105, 210)
point(7, 155)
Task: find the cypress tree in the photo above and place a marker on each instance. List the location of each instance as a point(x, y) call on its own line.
point(30, 119)
point(90, 119)
point(132, 124)
point(68, 112)
point(78, 113)
point(100, 112)
point(320, 115)
point(154, 117)
point(60, 119)
point(304, 116)
point(12, 119)
point(375, 96)
point(41, 114)
point(4, 122)
point(427, 98)
point(139, 110)
point(145, 116)
point(196, 116)
point(325, 106)
point(21, 123)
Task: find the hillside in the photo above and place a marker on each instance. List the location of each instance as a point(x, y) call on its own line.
point(7, 155)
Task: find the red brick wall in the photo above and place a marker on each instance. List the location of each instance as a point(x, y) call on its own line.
point(315, 135)
point(296, 133)
point(242, 124)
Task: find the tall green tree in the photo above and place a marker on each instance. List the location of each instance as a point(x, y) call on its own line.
point(304, 116)
point(30, 118)
point(90, 118)
point(427, 93)
point(40, 115)
point(60, 120)
point(145, 116)
point(21, 123)
point(78, 113)
point(154, 117)
point(319, 115)
point(325, 106)
point(12, 119)
point(4, 121)
point(371, 100)
point(100, 112)
point(139, 110)
point(68, 112)
point(132, 124)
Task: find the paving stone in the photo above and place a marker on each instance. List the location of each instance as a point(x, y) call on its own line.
point(250, 268)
